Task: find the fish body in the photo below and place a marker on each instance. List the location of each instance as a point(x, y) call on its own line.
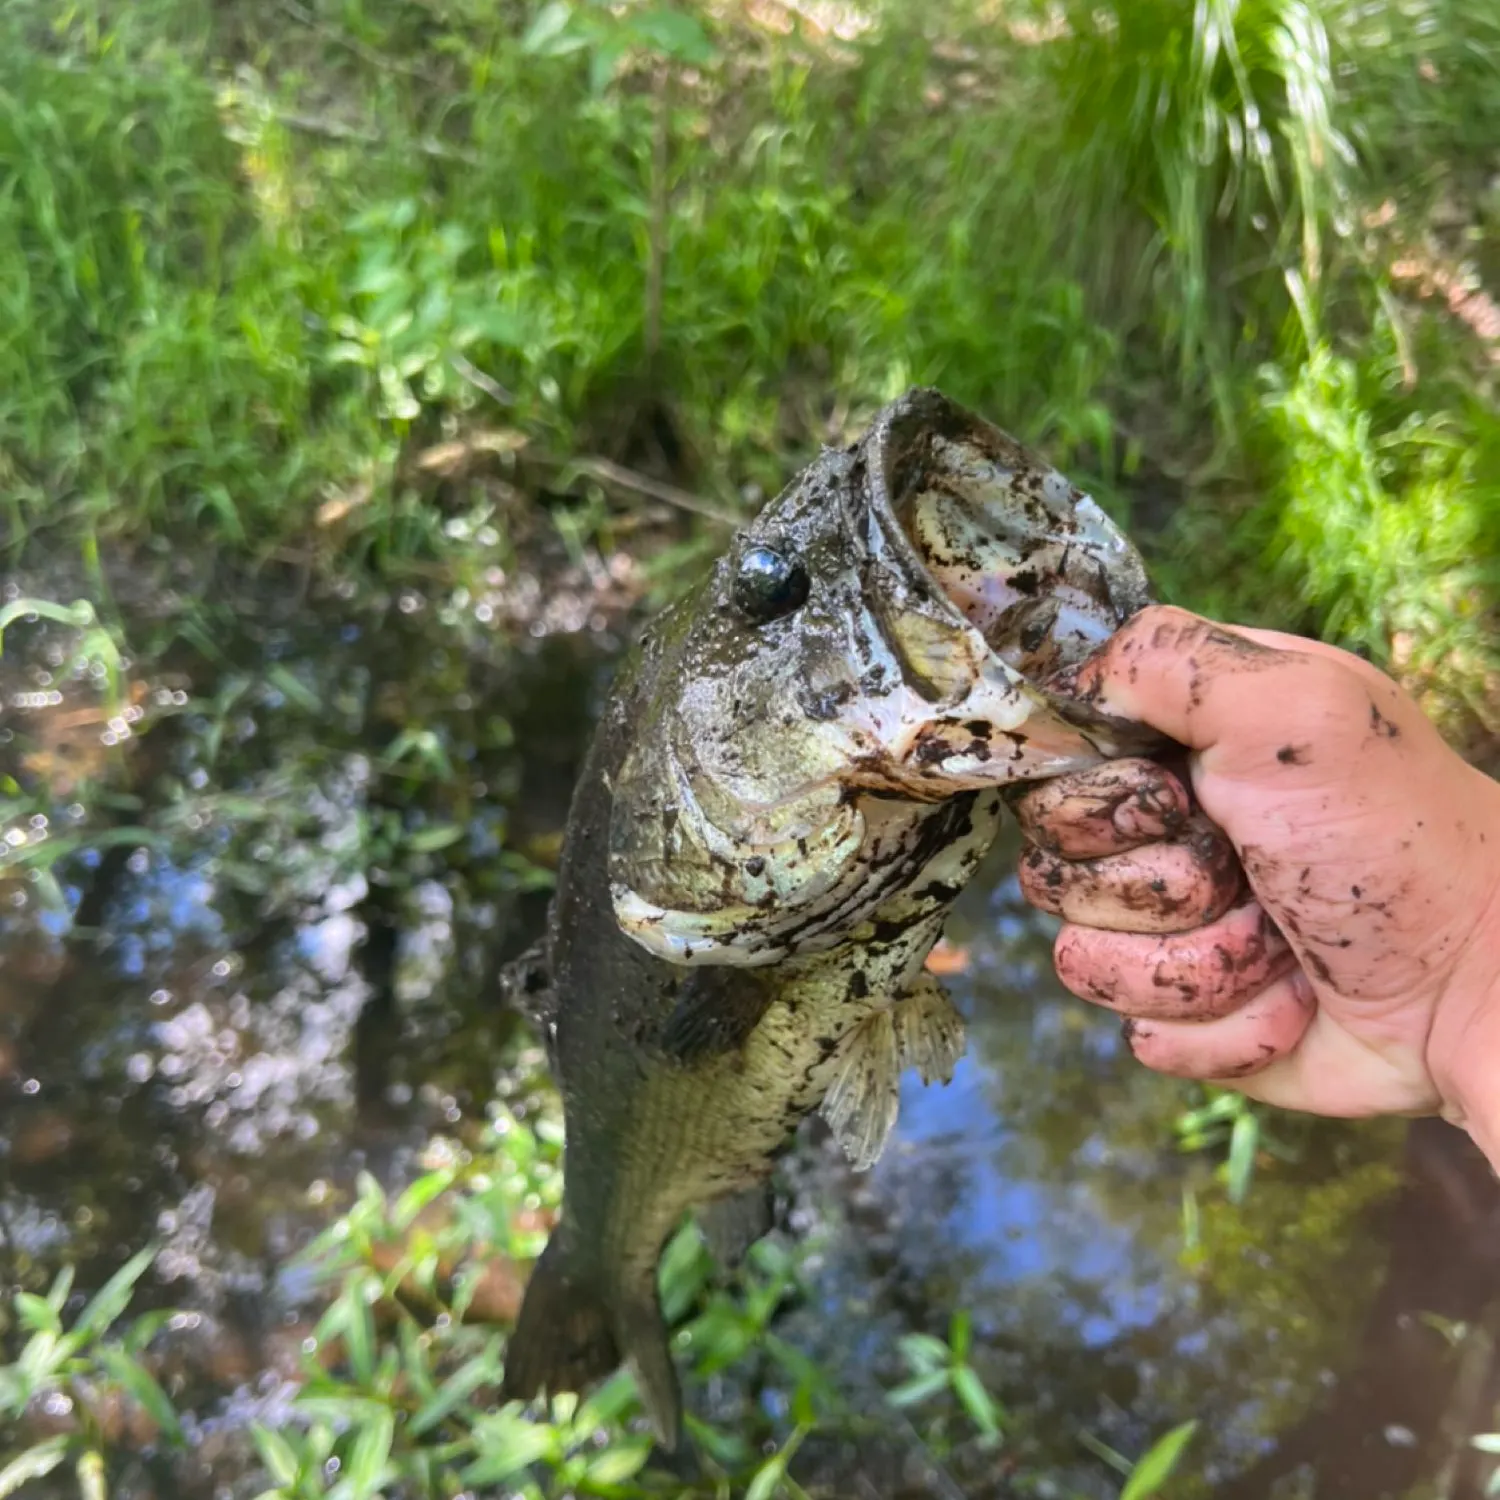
point(794, 778)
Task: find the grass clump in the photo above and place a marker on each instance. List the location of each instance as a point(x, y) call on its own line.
point(1375, 506)
point(1383, 530)
point(153, 374)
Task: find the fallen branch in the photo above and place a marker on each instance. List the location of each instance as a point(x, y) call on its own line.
point(340, 130)
point(466, 370)
point(607, 472)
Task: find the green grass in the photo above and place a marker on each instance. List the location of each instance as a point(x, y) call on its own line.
point(255, 255)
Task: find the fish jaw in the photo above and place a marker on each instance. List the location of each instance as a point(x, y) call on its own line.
point(898, 839)
point(1003, 730)
point(1008, 543)
point(1006, 579)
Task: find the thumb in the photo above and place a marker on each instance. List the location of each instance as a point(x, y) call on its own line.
point(1204, 684)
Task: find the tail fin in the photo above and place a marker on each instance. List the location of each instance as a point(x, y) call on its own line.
point(568, 1336)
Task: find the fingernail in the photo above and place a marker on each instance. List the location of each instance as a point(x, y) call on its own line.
point(1138, 818)
point(1152, 813)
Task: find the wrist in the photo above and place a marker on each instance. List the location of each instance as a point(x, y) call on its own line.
point(1470, 1084)
point(1464, 1045)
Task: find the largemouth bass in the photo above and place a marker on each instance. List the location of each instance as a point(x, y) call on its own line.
point(793, 779)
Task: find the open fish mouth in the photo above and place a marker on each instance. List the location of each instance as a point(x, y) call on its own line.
point(1009, 578)
point(1033, 563)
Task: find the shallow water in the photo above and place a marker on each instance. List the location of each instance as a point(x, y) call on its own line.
point(207, 1037)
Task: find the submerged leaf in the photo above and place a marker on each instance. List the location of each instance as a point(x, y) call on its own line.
point(368, 1467)
point(621, 1461)
point(111, 1300)
point(34, 1463)
point(920, 1389)
point(38, 1314)
point(977, 1401)
point(141, 1385)
point(1159, 1463)
point(1244, 1140)
point(457, 1389)
point(276, 1454)
point(768, 1479)
point(508, 1443)
point(923, 1352)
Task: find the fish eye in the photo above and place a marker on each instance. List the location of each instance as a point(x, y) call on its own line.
point(768, 584)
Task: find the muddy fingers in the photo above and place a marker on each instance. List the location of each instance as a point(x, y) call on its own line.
point(1198, 975)
point(1105, 810)
point(1361, 977)
point(1233, 1047)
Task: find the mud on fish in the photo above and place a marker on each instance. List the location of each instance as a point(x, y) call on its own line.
point(796, 774)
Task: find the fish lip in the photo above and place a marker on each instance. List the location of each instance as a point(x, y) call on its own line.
point(870, 511)
point(924, 413)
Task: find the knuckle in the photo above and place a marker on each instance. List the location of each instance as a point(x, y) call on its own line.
point(1153, 617)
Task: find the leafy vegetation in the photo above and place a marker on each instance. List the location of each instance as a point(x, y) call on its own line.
point(397, 1383)
point(262, 260)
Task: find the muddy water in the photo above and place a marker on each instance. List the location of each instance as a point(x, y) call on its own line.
point(206, 1035)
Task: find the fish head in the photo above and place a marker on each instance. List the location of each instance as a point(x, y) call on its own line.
point(892, 631)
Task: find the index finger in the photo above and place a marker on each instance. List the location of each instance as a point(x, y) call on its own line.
point(1170, 669)
point(1106, 809)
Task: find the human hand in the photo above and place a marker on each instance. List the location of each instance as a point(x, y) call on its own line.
point(1360, 972)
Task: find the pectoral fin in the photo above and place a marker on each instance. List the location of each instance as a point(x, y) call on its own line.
point(862, 1102)
point(929, 1031)
point(716, 1011)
